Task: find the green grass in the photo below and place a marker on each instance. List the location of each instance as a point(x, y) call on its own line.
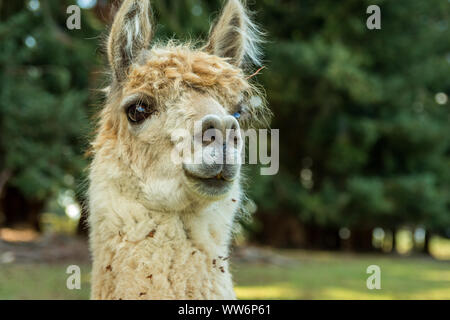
point(40, 281)
point(343, 276)
point(317, 275)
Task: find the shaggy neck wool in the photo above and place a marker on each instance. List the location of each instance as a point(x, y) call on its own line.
point(145, 254)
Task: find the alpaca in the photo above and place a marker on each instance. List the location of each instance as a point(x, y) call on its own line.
point(161, 229)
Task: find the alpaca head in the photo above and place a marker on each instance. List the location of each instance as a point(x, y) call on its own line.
point(158, 92)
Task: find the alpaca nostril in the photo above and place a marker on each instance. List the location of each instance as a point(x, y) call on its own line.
point(213, 137)
point(212, 127)
point(232, 126)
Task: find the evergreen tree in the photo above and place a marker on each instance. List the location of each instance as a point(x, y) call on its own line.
point(363, 141)
point(44, 90)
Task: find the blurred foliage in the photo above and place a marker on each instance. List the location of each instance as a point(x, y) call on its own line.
point(44, 81)
point(60, 224)
point(356, 108)
point(363, 142)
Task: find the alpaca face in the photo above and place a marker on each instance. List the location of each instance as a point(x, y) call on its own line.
point(179, 91)
point(174, 113)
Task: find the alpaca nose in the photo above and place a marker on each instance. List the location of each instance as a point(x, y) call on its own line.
point(217, 149)
point(212, 129)
point(221, 130)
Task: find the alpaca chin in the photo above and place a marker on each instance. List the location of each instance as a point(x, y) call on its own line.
point(210, 188)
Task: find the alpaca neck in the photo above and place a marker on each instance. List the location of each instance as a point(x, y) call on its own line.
point(140, 253)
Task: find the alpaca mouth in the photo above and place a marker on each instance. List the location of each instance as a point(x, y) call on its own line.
point(211, 187)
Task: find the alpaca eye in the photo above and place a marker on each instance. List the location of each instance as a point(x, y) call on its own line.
point(138, 112)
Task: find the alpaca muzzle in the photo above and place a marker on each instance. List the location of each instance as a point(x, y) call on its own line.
point(217, 152)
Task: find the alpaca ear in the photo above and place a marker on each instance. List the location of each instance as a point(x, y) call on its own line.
point(235, 36)
point(131, 32)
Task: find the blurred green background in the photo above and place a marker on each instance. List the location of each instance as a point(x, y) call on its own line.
point(364, 145)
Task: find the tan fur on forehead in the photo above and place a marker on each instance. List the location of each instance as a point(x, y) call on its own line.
point(174, 67)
